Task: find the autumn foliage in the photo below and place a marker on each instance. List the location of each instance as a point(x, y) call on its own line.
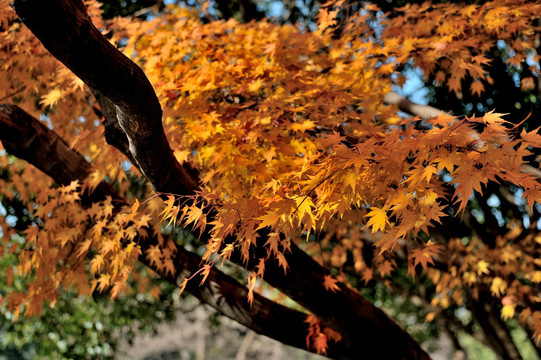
point(290, 135)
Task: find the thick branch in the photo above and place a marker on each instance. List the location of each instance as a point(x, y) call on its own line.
point(114, 135)
point(365, 328)
point(28, 139)
point(358, 319)
point(66, 31)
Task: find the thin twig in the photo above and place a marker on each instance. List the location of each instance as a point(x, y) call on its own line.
point(13, 93)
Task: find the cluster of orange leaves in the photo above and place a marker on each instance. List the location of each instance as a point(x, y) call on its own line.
point(450, 41)
point(289, 131)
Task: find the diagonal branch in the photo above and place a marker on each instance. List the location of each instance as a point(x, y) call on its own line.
point(66, 31)
point(28, 139)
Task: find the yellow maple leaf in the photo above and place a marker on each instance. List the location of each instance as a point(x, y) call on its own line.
point(304, 206)
point(536, 277)
point(302, 127)
point(96, 264)
point(169, 205)
point(134, 209)
point(494, 118)
point(378, 219)
point(498, 286)
point(326, 18)
point(52, 97)
point(103, 282)
point(482, 267)
point(269, 219)
point(508, 311)
point(183, 286)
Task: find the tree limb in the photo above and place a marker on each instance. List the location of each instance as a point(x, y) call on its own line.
point(28, 139)
point(405, 105)
point(426, 112)
point(66, 31)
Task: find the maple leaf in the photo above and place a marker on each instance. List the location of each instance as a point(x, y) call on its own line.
point(269, 219)
point(447, 163)
point(330, 283)
point(109, 245)
point(385, 268)
point(117, 287)
point(302, 127)
point(282, 261)
point(166, 213)
point(536, 277)
point(332, 140)
point(378, 219)
point(477, 88)
point(326, 18)
point(498, 286)
point(508, 311)
point(205, 271)
point(367, 275)
point(468, 181)
point(169, 266)
point(96, 264)
point(84, 247)
point(320, 344)
point(155, 292)
point(304, 207)
point(482, 267)
point(154, 254)
point(251, 285)
point(533, 137)
point(134, 209)
point(52, 97)
point(270, 49)
point(428, 172)
point(183, 286)
point(425, 254)
point(103, 282)
point(494, 118)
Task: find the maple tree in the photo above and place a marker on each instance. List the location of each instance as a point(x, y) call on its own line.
point(281, 150)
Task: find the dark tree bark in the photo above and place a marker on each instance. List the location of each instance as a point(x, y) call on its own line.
point(130, 105)
point(28, 139)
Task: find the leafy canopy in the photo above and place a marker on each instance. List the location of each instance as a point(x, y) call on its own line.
point(289, 131)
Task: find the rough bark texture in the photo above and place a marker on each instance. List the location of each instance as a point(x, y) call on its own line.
point(28, 139)
point(67, 32)
point(128, 98)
